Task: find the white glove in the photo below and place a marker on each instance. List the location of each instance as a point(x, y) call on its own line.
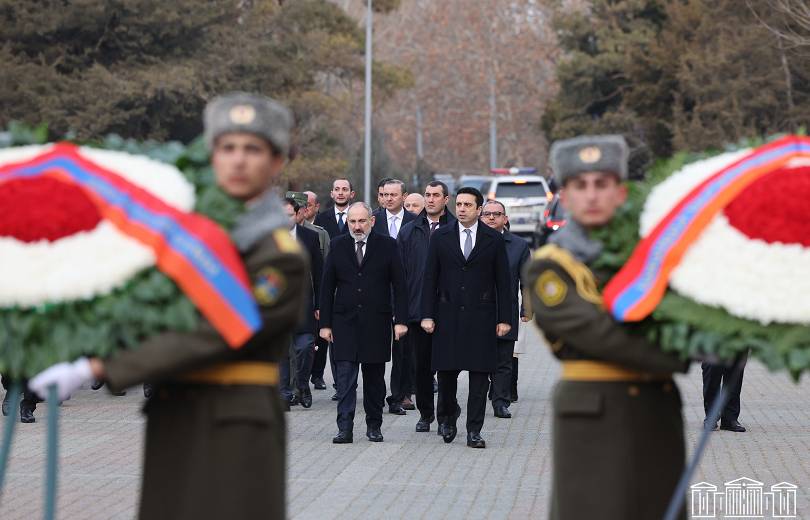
point(68, 377)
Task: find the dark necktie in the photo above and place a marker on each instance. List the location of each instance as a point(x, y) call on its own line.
point(360, 252)
point(341, 224)
point(433, 226)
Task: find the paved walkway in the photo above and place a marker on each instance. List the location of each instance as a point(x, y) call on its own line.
point(410, 475)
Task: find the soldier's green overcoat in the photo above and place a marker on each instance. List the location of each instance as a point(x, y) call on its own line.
point(217, 451)
point(618, 445)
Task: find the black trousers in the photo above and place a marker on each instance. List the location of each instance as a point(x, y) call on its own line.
point(29, 398)
point(476, 400)
point(502, 377)
point(319, 361)
point(401, 366)
point(373, 393)
point(422, 348)
point(715, 376)
point(296, 365)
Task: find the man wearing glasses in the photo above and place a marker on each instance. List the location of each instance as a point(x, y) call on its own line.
point(517, 251)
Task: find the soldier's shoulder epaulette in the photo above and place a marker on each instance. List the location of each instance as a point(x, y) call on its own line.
point(284, 242)
point(583, 277)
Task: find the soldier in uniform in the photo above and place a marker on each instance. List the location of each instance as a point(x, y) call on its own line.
point(215, 432)
point(618, 440)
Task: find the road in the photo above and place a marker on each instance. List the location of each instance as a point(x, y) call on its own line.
point(410, 475)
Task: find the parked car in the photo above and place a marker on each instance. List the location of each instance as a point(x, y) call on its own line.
point(553, 219)
point(525, 198)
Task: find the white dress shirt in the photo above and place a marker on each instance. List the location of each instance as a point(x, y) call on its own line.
point(462, 236)
point(293, 233)
point(398, 224)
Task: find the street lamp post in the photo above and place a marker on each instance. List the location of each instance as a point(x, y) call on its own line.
point(367, 147)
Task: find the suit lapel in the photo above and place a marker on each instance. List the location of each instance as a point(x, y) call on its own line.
point(454, 243)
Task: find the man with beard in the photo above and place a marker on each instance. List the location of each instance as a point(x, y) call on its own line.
point(333, 220)
point(363, 274)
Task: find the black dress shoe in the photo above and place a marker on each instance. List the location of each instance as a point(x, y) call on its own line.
point(440, 430)
point(474, 440)
point(294, 400)
point(343, 437)
point(27, 415)
point(147, 390)
point(96, 384)
point(119, 394)
point(732, 426)
point(707, 425)
point(318, 383)
point(305, 397)
point(449, 433)
point(424, 424)
point(396, 409)
point(374, 435)
point(335, 397)
point(502, 412)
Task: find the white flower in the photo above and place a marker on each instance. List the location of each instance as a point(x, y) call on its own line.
point(749, 278)
point(89, 263)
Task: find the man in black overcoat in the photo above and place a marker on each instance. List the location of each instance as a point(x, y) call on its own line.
point(466, 306)
point(362, 272)
point(333, 220)
point(388, 220)
point(517, 251)
point(296, 390)
point(413, 241)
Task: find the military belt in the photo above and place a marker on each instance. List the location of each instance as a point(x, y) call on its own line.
point(586, 370)
point(235, 373)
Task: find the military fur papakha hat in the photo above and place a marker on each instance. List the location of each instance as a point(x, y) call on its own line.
point(589, 153)
point(251, 113)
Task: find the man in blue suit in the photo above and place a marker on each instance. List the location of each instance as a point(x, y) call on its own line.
point(517, 251)
point(466, 306)
point(363, 274)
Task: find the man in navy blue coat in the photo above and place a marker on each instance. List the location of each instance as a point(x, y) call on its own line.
point(362, 272)
point(413, 241)
point(466, 306)
point(517, 251)
point(333, 220)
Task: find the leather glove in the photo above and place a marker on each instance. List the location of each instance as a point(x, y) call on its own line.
point(68, 377)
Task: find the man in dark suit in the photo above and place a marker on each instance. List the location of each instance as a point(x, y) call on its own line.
point(388, 220)
point(363, 271)
point(413, 241)
point(466, 306)
point(333, 220)
point(517, 251)
point(302, 349)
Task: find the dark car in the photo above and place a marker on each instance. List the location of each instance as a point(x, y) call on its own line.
point(554, 218)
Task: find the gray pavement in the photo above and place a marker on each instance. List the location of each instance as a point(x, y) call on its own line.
point(410, 475)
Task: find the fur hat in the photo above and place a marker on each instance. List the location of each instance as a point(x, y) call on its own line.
point(589, 153)
point(250, 113)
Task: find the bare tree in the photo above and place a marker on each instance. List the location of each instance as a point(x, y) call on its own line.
point(787, 19)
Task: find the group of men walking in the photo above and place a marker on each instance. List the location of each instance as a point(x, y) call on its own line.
point(434, 291)
point(442, 289)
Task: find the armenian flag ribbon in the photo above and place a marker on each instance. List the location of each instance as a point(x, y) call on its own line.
point(191, 249)
point(640, 285)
